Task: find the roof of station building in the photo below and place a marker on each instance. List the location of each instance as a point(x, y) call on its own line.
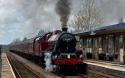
point(110, 29)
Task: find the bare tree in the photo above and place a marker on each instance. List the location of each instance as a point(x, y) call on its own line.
point(17, 40)
point(41, 32)
point(25, 38)
point(88, 17)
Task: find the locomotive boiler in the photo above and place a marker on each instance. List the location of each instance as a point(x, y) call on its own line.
point(54, 51)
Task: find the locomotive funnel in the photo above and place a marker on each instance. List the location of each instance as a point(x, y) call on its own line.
point(64, 29)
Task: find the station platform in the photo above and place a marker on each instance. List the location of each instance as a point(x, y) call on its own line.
point(6, 69)
point(102, 69)
point(33, 67)
point(108, 65)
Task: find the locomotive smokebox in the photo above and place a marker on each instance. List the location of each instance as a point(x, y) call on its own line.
point(64, 29)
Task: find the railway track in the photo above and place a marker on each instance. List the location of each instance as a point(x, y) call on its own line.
point(20, 70)
point(74, 76)
point(62, 76)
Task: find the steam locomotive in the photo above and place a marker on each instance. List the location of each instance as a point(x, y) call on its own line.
point(55, 51)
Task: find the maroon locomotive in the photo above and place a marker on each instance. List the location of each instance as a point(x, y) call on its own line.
point(54, 51)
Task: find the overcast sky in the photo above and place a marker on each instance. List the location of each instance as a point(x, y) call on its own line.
point(24, 18)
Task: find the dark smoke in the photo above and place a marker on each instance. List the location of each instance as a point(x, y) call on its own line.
point(63, 10)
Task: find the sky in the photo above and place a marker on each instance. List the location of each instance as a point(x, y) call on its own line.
point(25, 18)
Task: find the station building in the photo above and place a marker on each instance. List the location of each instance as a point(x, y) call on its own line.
point(105, 43)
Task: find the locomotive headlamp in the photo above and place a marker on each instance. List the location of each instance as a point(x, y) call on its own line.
point(68, 56)
point(81, 56)
point(55, 57)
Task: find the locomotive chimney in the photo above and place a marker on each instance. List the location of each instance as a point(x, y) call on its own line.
point(64, 28)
